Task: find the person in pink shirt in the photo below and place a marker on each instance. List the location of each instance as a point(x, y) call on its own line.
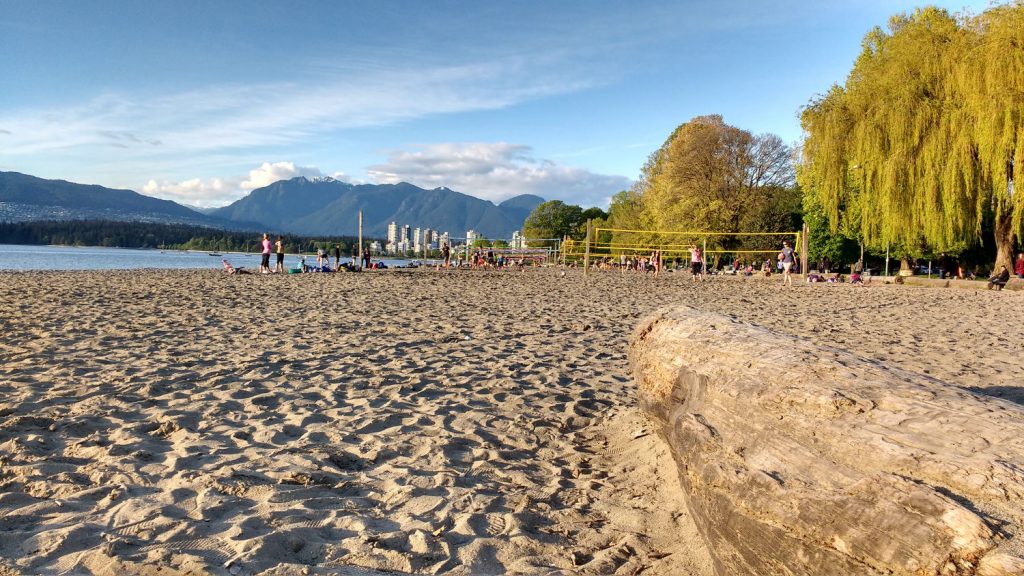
point(265, 262)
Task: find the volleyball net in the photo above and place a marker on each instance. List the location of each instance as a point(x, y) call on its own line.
point(616, 244)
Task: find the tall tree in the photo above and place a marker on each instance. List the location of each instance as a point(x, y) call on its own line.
point(924, 135)
point(712, 176)
point(553, 219)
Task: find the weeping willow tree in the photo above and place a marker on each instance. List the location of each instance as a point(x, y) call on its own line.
point(991, 79)
point(710, 176)
point(923, 137)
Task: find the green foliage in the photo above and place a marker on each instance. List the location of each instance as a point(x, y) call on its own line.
point(554, 219)
point(710, 176)
point(922, 138)
point(626, 211)
point(824, 242)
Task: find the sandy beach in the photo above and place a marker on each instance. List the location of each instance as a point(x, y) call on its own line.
point(409, 421)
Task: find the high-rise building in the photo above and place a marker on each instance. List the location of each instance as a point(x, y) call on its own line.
point(470, 237)
point(404, 234)
point(427, 240)
point(416, 240)
point(392, 244)
point(518, 242)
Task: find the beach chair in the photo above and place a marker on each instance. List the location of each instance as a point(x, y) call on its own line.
point(232, 270)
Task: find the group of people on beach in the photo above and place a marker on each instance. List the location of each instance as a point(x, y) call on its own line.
point(787, 263)
point(641, 264)
point(323, 259)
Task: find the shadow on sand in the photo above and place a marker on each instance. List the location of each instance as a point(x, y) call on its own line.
point(1012, 393)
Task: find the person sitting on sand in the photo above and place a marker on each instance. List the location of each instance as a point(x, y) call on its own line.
point(999, 279)
point(232, 270)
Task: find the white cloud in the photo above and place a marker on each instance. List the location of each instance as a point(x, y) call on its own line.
point(491, 171)
point(496, 171)
point(220, 191)
point(269, 173)
point(195, 191)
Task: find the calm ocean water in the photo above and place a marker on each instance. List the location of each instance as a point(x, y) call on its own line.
point(19, 257)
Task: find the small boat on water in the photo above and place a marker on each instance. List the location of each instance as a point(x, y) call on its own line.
point(215, 254)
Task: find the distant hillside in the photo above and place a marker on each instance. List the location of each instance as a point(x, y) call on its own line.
point(28, 198)
point(328, 206)
point(311, 207)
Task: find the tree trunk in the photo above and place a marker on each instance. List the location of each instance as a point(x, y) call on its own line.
point(802, 460)
point(906, 267)
point(1004, 241)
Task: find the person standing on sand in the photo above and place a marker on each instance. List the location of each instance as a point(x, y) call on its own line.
point(446, 255)
point(787, 257)
point(1018, 266)
point(265, 255)
point(696, 262)
point(279, 248)
point(366, 256)
point(337, 257)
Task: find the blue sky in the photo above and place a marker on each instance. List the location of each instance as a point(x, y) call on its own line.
point(200, 102)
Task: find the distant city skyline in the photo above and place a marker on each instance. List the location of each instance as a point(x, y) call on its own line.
point(202, 102)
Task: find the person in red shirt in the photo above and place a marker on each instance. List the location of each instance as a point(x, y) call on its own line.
point(1018, 266)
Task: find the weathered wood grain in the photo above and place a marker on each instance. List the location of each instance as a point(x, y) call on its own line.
point(802, 459)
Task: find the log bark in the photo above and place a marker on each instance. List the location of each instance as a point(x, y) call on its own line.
point(802, 459)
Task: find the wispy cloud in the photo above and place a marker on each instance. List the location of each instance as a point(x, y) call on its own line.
point(496, 171)
point(261, 114)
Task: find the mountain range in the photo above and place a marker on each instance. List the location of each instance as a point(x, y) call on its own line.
point(307, 206)
point(321, 206)
point(24, 197)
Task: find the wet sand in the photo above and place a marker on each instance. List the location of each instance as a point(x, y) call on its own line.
point(191, 422)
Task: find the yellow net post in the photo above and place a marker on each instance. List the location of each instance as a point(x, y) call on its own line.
point(704, 257)
point(586, 253)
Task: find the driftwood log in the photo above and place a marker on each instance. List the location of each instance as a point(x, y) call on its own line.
point(801, 459)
